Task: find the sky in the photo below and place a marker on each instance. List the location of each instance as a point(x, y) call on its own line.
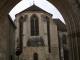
point(43, 4)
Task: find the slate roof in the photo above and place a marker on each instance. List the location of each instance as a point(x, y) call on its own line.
point(34, 8)
point(61, 26)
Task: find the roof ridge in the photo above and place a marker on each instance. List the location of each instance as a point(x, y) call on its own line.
point(34, 8)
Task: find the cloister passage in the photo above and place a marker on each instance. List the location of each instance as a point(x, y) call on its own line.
point(70, 10)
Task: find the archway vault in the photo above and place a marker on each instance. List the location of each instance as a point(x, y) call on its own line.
point(70, 12)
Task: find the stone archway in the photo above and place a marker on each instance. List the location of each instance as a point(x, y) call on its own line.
point(70, 12)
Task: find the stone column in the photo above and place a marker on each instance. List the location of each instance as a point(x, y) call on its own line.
point(74, 46)
point(45, 38)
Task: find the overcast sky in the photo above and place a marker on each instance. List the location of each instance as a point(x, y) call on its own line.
point(45, 5)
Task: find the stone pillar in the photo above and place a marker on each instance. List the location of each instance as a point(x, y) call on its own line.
point(74, 46)
point(25, 38)
point(61, 52)
point(45, 38)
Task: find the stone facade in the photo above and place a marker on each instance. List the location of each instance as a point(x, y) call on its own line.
point(7, 40)
point(63, 40)
point(39, 44)
point(64, 46)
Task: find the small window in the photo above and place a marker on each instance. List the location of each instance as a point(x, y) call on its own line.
point(66, 55)
point(35, 56)
point(11, 57)
point(64, 39)
point(47, 58)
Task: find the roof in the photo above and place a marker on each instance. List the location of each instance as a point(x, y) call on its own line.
point(61, 26)
point(34, 8)
point(10, 19)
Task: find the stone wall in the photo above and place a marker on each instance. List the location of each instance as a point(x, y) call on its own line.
point(7, 36)
point(42, 51)
point(63, 46)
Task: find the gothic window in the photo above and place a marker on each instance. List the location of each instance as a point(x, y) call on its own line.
point(64, 39)
point(48, 33)
point(21, 18)
point(35, 56)
point(21, 31)
point(34, 25)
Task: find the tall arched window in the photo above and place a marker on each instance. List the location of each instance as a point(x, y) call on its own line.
point(64, 39)
point(21, 32)
point(34, 25)
point(35, 56)
point(48, 33)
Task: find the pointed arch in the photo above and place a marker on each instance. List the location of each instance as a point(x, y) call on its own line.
point(34, 25)
point(21, 18)
point(35, 56)
point(47, 18)
point(48, 33)
point(21, 32)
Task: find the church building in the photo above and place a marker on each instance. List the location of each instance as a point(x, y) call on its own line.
point(36, 35)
